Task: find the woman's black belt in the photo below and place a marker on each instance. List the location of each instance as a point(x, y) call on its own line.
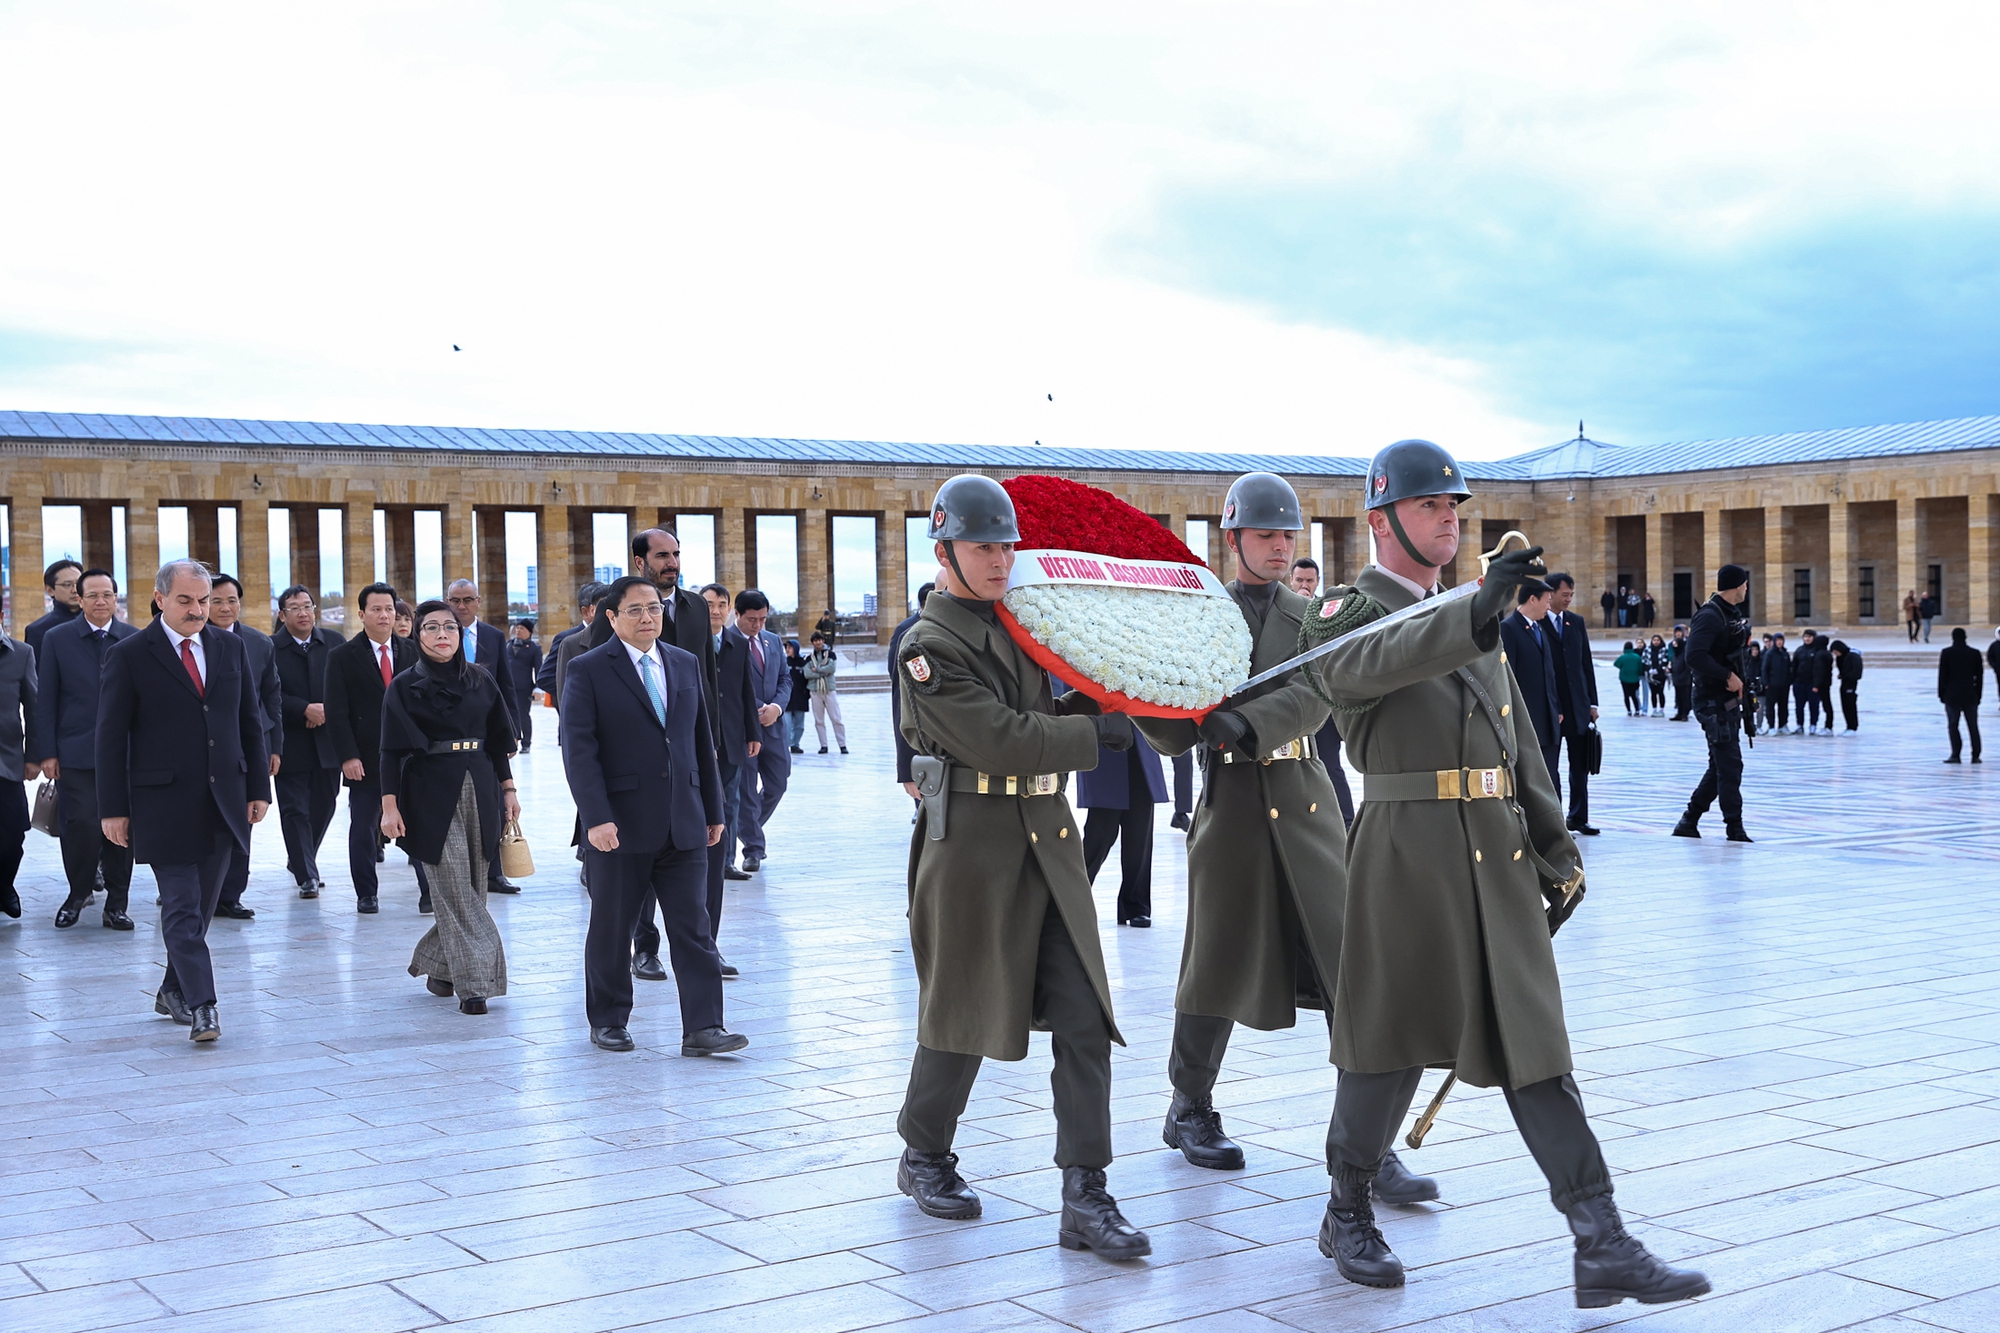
point(457, 747)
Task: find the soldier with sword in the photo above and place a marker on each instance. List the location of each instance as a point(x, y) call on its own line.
point(1458, 871)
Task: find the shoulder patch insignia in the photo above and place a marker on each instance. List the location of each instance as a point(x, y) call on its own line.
point(919, 669)
point(1326, 612)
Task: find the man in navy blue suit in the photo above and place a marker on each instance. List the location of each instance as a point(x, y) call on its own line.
point(64, 582)
point(1526, 638)
point(769, 769)
point(70, 666)
point(1576, 694)
point(225, 612)
point(309, 779)
point(640, 756)
point(182, 774)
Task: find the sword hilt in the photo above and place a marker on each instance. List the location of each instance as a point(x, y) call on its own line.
point(1415, 1138)
point(1488, 557)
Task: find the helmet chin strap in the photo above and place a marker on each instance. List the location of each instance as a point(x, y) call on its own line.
point(951, 558)
point(1409, 547)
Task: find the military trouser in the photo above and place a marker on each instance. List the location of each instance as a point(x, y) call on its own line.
point(1724, 777)
point(1368, 1109)
point(1200, 1041)
point(941, 1081)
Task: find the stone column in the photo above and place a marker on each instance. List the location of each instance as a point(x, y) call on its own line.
point(491, 528)
point(1471, 545)
point(1775, 590)
point(1908, 575)
point(1659, 574)
point(732, 553)
point(399, 537)
point(357, 551)
point(555, 577)
point(1712, 558)
point(205, 535)
point(1355, 546)
point(815, 573)
point(253, 558)
point(1982, 526)
point(142, 555)
point(1840, 608)
point(892, 575)
point(24, 572)
point(303, 521)
point(458, 538)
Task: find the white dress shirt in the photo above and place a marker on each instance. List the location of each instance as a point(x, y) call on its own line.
point(659, 662)
point(1417, 590)
point(200, 657)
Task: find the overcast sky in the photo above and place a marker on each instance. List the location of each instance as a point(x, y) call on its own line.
point(1285, 227)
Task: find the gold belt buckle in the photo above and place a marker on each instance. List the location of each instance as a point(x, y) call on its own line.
point(983, 780)
point(1044, 784)
point(1291, 749)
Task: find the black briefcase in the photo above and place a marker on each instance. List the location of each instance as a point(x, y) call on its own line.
point(1593, 741)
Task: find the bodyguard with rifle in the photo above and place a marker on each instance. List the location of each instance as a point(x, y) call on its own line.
point(1267, 880)
point(1459, 869)
point(1717, 638)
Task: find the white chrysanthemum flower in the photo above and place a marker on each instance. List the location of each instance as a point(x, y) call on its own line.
point(1173, 649)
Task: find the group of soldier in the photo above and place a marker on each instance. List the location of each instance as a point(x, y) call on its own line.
point(1423, 934)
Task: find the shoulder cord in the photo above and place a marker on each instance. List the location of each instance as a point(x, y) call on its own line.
point(1355, 609)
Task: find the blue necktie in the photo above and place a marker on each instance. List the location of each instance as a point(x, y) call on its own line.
point(648, 672)
point(471, 638)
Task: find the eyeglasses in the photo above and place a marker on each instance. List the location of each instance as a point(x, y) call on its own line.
point(466, 600)
point(648, 611)
point(440, 627)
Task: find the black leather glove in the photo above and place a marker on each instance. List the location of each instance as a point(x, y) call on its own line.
point(1114, 731)
point(1223, 729)
point(1076, 704)
point(1504, 576)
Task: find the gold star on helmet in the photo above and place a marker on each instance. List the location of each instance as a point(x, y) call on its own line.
point(1447, 472)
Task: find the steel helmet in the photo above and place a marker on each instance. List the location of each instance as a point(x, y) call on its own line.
point(972, 508)
point(1413, 467)
point(1262, 501)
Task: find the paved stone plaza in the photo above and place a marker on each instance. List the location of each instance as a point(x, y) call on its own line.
point(1791, 1051)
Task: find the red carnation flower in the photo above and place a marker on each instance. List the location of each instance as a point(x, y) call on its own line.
point(1061, 515)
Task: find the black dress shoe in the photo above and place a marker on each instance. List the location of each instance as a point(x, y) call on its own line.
point(380, 856)
point(1138, 922)
point(1091, 1220)
point(308, 889)
point(822, 749)
point(1688, 827)
point(731, 872)
point(1611, 1265)
point(472, 1004)
point(843, 749)
point(442, 989)
point(728, 968)
point(423, 904)
point(69, 912)
point(750, 864)
point(932, 1179)
point(1348, 1234)
point(502, 885)
point(1585, 829)
point(1395, 1185)
point(234, 911)
point(798, 749)
point(10, 901)
point(116, 920)
point(611, 1039)
point(1734, 830)
point(205, 1025)
point(646, 967)
point(713, 1041)
point(367, 904)
point(1195, 1128)
point(174, 1006)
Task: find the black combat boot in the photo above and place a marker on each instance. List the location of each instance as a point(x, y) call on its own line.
point(1348, 1234)
point(932, 1179)
point(1195, 1128)
point(1687, 827)
point(1091, 1220)
point(1611, 1265)
point(1394, 1183)
point(1736, 833)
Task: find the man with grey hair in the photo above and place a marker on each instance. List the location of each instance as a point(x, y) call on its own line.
point(182, 774)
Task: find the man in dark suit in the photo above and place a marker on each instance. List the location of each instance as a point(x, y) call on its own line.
point(181, 774)
point(358, 673)
point(225, 613)
point(1120, 794)
point(1533, 659)
point(769, 769)
point(524, 663)
point(63, 581)
point(547, 678)
point(69, 671)
point(1576, 694)
point(20, 736)
point(485, 646)
point(639, 751)
point(656, 553)
point(1961, 682)
point(309, 779)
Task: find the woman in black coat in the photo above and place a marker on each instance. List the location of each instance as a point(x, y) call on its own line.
point(446, 787)
point(797, 706)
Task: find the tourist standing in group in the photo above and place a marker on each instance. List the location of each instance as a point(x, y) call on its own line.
point(1003, 929)
point(1715, 648)
point(358, 675)
point(1910, 607)
point(1679, 671)
point(69, 684)
point(1609, 603)
point(524, 661)
point(1576, 695)
point(1658, 663)
point(639, 753)
point(769, 771)
point(20, 736)
point(1928, 610)
point(1847, 666)
point(446, 789)
point(1961, 682)
point(1776, 686)
point(1631, 669)
point(1650, 609)
point(819, 667)
point(1993, 659)
point(63, 582)
point(1806, 698)
point(225, 613)
point(182, 774)
point(800, 702)
point(309, 783)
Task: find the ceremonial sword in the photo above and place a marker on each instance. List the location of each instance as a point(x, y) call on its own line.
point(1424, 607)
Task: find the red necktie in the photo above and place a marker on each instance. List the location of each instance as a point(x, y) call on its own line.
point(388, 674)
point(757, 651)
point(194, 672)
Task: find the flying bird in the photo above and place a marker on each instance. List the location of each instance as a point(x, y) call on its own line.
point(455, 347)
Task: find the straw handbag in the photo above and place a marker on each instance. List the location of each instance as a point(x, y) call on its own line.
point(516, 861)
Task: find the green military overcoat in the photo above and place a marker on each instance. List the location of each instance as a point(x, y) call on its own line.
point(1447, 958)
point(978, 896)
point(1267, 883)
